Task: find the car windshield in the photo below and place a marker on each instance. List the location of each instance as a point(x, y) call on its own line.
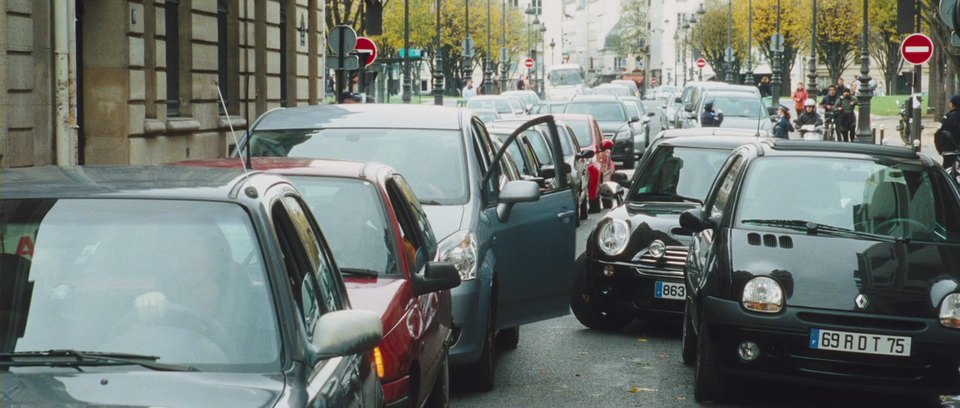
point(876, 197)
point(486, 115)
point(180, 280)
point(738, 107)
point(581, 130)
point(351, 216)
point(601, 111)
point(684, 173)
point(501, 105)
point(565, 77)
point(528, 98)
point(439, 180)
point(612, 90)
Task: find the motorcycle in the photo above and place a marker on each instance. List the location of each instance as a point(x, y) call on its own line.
point(811, 132)
point(954, 170)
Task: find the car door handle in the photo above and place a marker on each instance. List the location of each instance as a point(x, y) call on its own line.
point(566, 214)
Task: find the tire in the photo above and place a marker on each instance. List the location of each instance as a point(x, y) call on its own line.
point(708, 383)
point(480, 375)
point(587, 314)
point(595, 206)
point(440, 394)
point(509, 338)
point(688, 346)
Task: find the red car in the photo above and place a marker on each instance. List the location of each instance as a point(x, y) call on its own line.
point(384, 246)
point(601, 166)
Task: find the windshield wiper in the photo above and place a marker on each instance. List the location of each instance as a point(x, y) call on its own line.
point(669, 195)
point(93, 358)
point(367, 273)
point(811, 227)
point(430, 202)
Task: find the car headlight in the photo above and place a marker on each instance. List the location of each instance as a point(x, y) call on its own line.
point(950, 311)
point(762, 294)
point(460, 249)
point(613, 237)
point(657, 249)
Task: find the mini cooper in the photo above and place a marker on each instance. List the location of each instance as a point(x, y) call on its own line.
point(825, 263)
point(635, 256)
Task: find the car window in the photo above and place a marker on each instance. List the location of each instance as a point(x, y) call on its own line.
point(737, 107)
point(581, 131)
point(718, 203)
point(678, 173)
point(602, 111)
point(632, 110)
point(137, 276)
point(442, 179)
point(414, 228)
point(351, 215)
point(571, 142)
point(319, 264)
point(541, 148)
point(895, 199)
point(501, 105)
point(485, 153)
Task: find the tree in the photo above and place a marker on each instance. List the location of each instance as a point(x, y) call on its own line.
point(839, 29)
point(632, 39)
point(884, 39)
point(794, 26)
point(716, 35)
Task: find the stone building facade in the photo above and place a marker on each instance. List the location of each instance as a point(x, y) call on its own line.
point(136, 81)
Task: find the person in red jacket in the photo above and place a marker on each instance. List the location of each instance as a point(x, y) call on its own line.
point(799, 97)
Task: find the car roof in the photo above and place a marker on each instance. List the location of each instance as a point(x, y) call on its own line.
point(711, 142)
point(709, 131)
point(805, 147)
point(595, 98)
point(305, 166)
point(729, 93)
point(174, 182)
point(361, 116)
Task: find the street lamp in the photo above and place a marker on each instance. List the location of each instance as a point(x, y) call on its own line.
point(407, 90)
point(864, 135)
point(467, 47)
point(487, 67)
point(748, 76)
point(728, 52)
point(552, 44)
point(685, 26)
point(701, 12)
point(504, 57)
point(691, 22)
point(438, 65)
point(777, 49)
point(812, 90)
point(543, 29)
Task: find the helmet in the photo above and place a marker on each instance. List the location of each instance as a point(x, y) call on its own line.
point(809, 102)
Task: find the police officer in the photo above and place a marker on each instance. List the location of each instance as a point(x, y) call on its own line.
point(947, 137)
point(710, 117)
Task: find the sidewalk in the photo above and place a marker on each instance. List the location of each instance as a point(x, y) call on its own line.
point(887, 134)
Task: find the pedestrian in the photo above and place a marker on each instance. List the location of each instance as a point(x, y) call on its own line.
point(349, 98)
point(764, 86)
point(710, 117)
point(949, 129)
point(520, 84)
point(783, 127)
point(846, 119)
point(841, 87)
point(468, 91)
point(799, 97)
point(829, 102)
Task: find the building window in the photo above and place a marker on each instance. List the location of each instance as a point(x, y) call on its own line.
point(172, 35)
point(222, 53)
point(283, 53)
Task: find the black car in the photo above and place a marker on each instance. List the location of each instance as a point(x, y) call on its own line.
point(825, 263)
point(611, 113)
point(635, 256)
point(173, 286)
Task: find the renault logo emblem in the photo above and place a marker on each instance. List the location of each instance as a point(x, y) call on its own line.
point(861, 301)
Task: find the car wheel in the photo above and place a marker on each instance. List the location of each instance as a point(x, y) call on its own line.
point(440, 394)
point(688, 347)
point(595, 206)
point(481, 374)
point(586, 313)
point(708, 383)
point(509, 338)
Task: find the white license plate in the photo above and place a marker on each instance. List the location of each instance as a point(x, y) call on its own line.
point(668, 290)
point(859, 342)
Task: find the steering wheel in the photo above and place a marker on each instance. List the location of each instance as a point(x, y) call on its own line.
point(889, 224)
point(179, 317)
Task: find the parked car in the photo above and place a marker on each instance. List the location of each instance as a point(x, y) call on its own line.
point(447, 156)
point(486, 115)
point(518, 105)
point(502, 105)
point(664, 93)
point(692, 95)
point(635, 108)
point(634, 259)
point(574, 157)
point(740, 111)
point(831, 264)
point(626, 83)
point(709, 131)
point(671, 109)
point(549, 107)
point(611, 89)
point(174, 286)
point(600, 167)
point(530, 98)
point(382, 243)
point(611, 113)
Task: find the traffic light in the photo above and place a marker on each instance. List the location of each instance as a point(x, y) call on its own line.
point(373, 18)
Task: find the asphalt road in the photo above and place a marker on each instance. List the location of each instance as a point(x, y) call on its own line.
point(561, 363)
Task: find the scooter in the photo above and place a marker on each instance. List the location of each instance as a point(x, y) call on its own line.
point(954, 171)
point(811, 132)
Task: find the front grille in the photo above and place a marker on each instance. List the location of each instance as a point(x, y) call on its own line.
point(672, 263)
point(864, 322)
point(863, 367)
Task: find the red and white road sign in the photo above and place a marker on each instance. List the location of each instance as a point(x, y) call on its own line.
point(367, 45)
point(529, 63)
point(916, 48)
point(701, 63)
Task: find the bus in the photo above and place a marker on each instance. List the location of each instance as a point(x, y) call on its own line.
point(564, 81)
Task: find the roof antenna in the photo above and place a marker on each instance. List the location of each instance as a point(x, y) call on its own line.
point(223, 103)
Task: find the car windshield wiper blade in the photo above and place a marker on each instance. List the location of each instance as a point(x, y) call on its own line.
point(811, 227)
point(670, 195)
point(59, 358)
point(369, 273)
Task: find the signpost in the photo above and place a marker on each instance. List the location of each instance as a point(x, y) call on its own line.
point(342, 40)
point(529, 63)
point(916, 49)
point(701, 63)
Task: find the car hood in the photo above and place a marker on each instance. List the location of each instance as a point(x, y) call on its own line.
point(649, 221)
point(379, 295)
point(612, 126)
point(816, 271)
point(140, 389)
point(445, 219)
point(735, 122)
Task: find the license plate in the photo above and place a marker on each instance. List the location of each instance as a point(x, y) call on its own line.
point(859, 342)
point(668, 290)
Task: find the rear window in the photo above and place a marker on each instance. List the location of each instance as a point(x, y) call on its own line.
point(601, 111)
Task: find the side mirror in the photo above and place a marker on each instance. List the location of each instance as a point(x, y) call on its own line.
point(586, 154)
point(611, 190)
point(541, 182)
point(606, 144)
point(634, 119)
point(691, 115)
point(549, 171)
point(677, 100)
point(621, 179)
point(663, 106)
point(688, 107)
point(651, 114)
point(694, 220)
point(774, 118)
point(346, 332)
point(517, 191)
point(437, 276)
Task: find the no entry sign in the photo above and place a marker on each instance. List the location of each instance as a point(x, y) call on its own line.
point(367, 45)
point(701, 63)
point(528, 63)
point(916, 49)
